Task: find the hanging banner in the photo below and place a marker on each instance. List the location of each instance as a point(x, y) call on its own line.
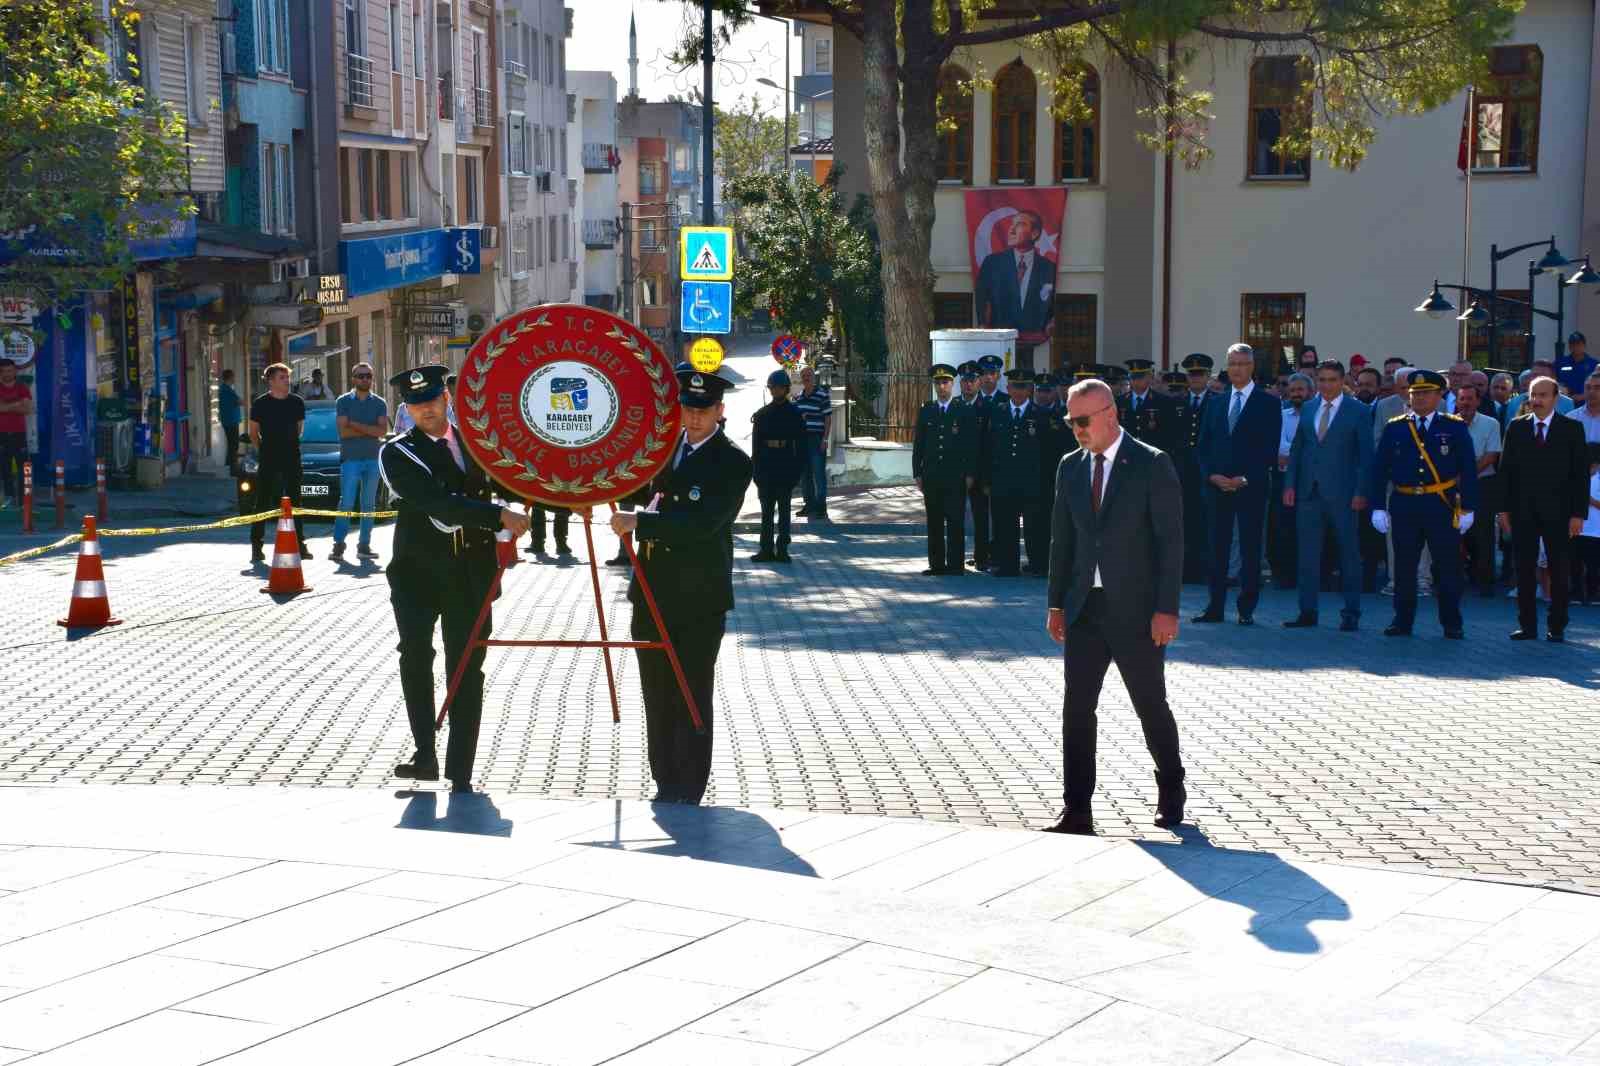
point(1014, 236)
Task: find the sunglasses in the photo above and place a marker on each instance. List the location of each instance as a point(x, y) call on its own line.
point(358, 377)
point(1082, 421)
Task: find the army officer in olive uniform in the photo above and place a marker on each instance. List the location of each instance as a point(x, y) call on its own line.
point(443, 567)
point(944, 460)
point(686, 554)
point(1014, 450)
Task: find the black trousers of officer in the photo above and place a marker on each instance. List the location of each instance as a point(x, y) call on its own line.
point(560, 516)
point(418, 607)
point(980, 525)
point(680, 759)
point(1036, 530)
point(775, 515)
point(272, 484)
point(1196, 524)
point(945, 507)
point(1006, 511)
point(1415, 521)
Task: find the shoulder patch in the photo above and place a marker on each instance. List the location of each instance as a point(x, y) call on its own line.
point(1398, 418)
point(1451, 417)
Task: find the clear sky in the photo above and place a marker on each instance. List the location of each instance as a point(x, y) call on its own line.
point(600, 42)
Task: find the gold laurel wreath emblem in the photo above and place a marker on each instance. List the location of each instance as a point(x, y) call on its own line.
point(604, 478)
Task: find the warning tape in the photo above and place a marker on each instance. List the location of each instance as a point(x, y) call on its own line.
point(154, 531)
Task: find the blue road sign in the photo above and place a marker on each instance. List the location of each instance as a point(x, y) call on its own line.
point(706, 307)
point(706, 253)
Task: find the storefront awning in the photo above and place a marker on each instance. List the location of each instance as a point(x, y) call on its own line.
point(216, 241)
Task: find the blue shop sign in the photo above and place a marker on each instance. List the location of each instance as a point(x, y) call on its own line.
point(178, 239)
point(374, 264)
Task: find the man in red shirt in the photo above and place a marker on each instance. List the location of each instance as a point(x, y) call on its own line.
point(16, 403)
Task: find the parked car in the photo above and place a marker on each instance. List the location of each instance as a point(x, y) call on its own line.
point(319, 465)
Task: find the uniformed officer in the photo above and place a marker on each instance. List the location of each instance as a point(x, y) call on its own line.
point(1015, 449)
point(967, 379)
point(1187, 418)
point(986, 396)
point(944, 460)
point(442, 569)
point(1427, 456)
point(1144, 412)
point(1049, 391)
point(686, 554)
point(1172, 384)
point(778, 456)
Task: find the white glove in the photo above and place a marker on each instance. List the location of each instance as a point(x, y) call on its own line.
point(1380, 521)
point(1466, 522)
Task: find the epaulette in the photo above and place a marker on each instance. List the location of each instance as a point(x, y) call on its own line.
point(1453, 418)
point(1398, 418)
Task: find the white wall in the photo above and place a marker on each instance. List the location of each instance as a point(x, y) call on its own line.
point(598, 196)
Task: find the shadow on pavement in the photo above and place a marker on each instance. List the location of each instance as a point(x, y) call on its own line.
point(1284, 899)
point(473, 813)
point(713, 834)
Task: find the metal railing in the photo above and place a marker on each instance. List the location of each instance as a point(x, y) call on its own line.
point(358, 80)
point(483, 107)
point(597, 158)
point(599, 233)
point(868, 394)
point(463, 127)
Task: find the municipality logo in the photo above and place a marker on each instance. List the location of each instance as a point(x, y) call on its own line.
point(569, 394)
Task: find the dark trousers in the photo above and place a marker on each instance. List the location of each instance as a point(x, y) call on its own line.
point(560, 518)
point(1093, 644)
point(680, 758)
point(1526, 532)
point(1036, 532)
point(979, 501)
point(1586, 565)
point(1313, 515)
point(1480, 539)
point(1283, 551)
point(1419, 520)
point(418, 607)
point(814, 476)
point(272, 484)
point(13, 453)
point(1005, 514)
point(945, 507)
point(775, 515)
point(231, 435)
point(1374, 552)
point(1246, 507)
point(1196, 525)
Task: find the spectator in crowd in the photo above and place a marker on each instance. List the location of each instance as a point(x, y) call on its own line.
point(16, 403)
point(1308, 360)
point(1369, 384)
point(317, 390)
point(1479, 541)
point(229, 414)
point(276, 419)
point(1393, 404)
point(1502, 386)
point(1332, 447)
point(363, 419)
point(1281, 539)
point(1588, 416)
point(1458, 376)
point(1577, 365)
point(1544, 467)
point(1587, 548)
point(1540, 368)
point(816, 407)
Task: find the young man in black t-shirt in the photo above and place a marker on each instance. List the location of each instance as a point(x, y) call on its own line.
point(276, 417)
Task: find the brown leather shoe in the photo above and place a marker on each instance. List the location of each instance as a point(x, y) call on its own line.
point(1076, 823)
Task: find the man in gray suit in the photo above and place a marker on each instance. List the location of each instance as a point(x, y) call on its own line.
point(1330, 450)
point(1116, 568)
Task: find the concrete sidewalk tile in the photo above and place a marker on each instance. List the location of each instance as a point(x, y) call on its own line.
point(684, 1046)
point(882, 844)
point(140, 880)
point(267, 888)
point(9, 1055)
point(1546, 1006)
point(1260, 1053)
point(1581, 967)
point(294, 933)
point(913, 1041)
point(1136, 907)
point(1039, 856)
point(956, 852)
point(1005, 1000)
point(884, 955)
point(1418, 936)
point(172, 1037)
point(89, 945)
point(334, 980)
point(29, 867)
point(749, 955)
point(48, 1017)
point(1479, 901)
point(1138, 1036)
point(501, 918)
point(430, 888)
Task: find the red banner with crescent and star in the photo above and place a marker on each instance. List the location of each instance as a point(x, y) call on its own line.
point(1014, 243)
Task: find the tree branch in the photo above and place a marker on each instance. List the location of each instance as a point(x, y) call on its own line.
point(1055, 20)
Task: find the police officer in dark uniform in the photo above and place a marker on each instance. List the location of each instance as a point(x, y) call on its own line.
point(1144, 412)
point(442, 569)
point(1015, 451)
point(944, 460)
point(778, 456)
point(1427, 456)
point(985, 398)
point(1172, 384)
point(685, 538)
point(1049, 400)
point(1189, 409)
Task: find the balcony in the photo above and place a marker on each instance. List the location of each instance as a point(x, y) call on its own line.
point(599, 159)
point(358, 80)
point(482, 108)
point(463, 127)
point(599, 233)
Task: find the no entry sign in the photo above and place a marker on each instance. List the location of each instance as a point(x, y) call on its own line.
point(786, 349)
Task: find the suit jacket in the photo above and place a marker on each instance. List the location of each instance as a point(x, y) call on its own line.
point(778, 445)
point(687, 543)
point(1251, 449)
point(1015, 449)
point(944, 452)
point(446, 525)
point(1136, 538)
point(1156, 423)
point(1002, 304)
point(1548, 483)
point(1336, 464)
point(1384, 411)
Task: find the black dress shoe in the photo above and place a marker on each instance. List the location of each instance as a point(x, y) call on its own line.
point(1207, 616)
point(621, 560)
point(1524, 634)
point(258, 555)
point(933, 571)
point(1246, 618)
point(461, 788)
point(782, 557)
point(1455, 634)
point(1169, 804)
point(1349, 625)
point(1305, 620)
point(1005, 573)
point(763, 557)
point(1556, 637)
point(1075, 823)
point(305, 552)
point(418, 770)
point(1396, 630)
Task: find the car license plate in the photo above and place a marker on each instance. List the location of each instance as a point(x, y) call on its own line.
point(313, 490)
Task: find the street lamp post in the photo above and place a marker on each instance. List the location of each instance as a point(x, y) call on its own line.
point(1437, 305)
point(1551, 263)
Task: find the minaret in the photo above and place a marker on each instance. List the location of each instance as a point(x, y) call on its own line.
point(633, 58)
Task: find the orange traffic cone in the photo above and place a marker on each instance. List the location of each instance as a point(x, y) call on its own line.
point(286, 578)
point(89, 608)
point(505, 549)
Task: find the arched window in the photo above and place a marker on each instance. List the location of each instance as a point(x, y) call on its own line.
point(1078, 142)
point(1016, 110)
point(953, 159)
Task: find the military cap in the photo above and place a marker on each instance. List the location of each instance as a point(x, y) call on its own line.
point(697, 389)
point(942, 372)
point(967, 371)
point(1198, 361)
point(1085, 371)
point(1425, 380)
point(1046, 380)
point(990, 364)
point(1019, 376)
point(421, 384)
point(1114, 374)
point(778, 379)
point(1139, 367)
point(1175, 377)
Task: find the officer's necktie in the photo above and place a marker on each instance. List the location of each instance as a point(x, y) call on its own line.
point(1234, 409)
point(683, 453)
point(1099, 482)
point(1016, 412)
point(1539, 433)
point(1322, 420)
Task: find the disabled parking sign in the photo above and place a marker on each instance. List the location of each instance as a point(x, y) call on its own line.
point(706, 307)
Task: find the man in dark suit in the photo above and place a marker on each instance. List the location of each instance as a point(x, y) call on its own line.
point(1016, 287)
point(1116, 570)
point(1191, 405)
point(1014, 448)
point(1145, 413)
point(1238, 451)
point(686, 552)
point(944, 460)
point(442, 570)
point(1544, 495)
point(1328, 458)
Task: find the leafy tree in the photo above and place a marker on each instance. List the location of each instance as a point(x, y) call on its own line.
point(749, 140)
point(87, 163)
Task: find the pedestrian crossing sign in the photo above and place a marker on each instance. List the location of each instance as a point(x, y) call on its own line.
point(707, 253)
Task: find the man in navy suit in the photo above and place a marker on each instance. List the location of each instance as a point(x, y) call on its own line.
point(1331, 452)
point(1016, 287)
point(1238, 451)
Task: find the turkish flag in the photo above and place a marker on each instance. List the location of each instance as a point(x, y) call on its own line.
point(1463, 146)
